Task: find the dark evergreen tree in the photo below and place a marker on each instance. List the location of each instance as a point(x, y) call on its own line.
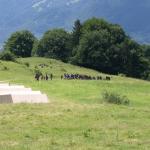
point(76, 34)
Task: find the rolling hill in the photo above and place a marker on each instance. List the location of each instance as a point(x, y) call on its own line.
point(40, 15)
point(76, 117)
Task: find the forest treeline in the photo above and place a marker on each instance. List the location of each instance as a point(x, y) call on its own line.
point(94, 43)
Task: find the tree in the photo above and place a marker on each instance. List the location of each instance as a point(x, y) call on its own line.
point(92, 50)
point(106, 47)
point(55, 44)
point(117, 33)
point(20, 43)
point(146, 49)
point(95, 24)
point(97, 52)
point(76, 34)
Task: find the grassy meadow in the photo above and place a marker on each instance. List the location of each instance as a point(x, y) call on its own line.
point(76, 117)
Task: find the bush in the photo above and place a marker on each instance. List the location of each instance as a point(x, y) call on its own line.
point(8, 56)
point(5, 68)
point(115, 98)
point(121, 75)
point(27, 64)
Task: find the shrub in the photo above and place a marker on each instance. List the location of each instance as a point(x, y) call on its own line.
point(121, 75)
point(8, 56)
point(115, 98)
point(5, 68)
point(27, 64)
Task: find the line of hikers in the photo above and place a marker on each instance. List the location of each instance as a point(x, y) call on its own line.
point(83, 77)
point(39, 76)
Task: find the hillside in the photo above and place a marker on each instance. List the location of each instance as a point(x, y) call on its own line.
point(40, 15)
point(20, 73)
point(77, 117)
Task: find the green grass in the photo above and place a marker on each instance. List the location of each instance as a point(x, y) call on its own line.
point(76, 117)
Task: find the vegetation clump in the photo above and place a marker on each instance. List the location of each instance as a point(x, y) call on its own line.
point(7, 56)
point(27, 64)
point(5, 68)
point(115, 98)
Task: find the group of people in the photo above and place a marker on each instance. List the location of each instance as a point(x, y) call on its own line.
point(39, 76)
point(83, 77)
point(66, 76)
point(46, 77)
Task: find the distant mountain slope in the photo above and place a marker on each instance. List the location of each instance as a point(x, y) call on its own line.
point(40, 15)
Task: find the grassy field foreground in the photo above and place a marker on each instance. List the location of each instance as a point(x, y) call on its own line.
point(76, 117)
